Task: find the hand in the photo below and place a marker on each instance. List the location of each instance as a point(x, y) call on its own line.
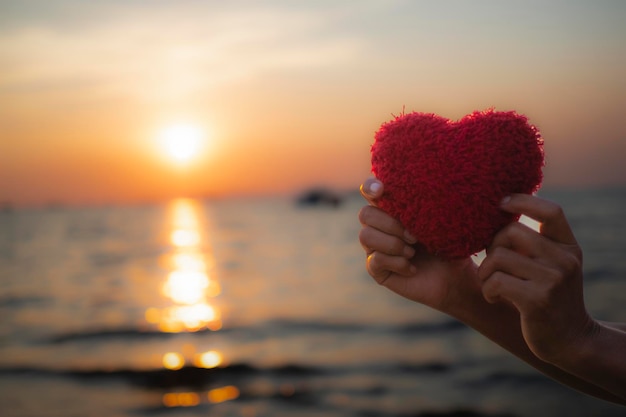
point(541, 275)
point(396, 261)
point(538, 276)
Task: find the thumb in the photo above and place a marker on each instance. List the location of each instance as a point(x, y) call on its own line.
point(372, 189)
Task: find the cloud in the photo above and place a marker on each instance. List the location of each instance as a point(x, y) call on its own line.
point(170, 52)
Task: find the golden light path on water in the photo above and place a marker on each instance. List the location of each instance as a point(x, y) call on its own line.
point(189, 286)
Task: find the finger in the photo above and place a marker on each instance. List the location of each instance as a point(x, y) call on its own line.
point(520, 251)
point(499, 272)
point(374, 240)
point(520, 238)
point(378, 219)
point(512, 263)
point(554, 224)
point(372, 189)
point(502, 286)
point(520, 280)
point(382, 266)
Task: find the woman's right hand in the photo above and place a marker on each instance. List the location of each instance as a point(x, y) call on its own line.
point(396, 260)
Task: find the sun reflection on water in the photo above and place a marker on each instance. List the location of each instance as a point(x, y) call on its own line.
point(209, 359)
point(181, 399)
point(191, 399)
point(189, 287)
point(173, 360)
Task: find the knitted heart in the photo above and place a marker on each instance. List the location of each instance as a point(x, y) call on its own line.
point(444, 180)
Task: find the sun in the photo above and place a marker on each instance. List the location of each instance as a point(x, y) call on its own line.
point(182, 141)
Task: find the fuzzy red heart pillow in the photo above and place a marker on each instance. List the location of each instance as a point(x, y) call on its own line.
point(444, 180)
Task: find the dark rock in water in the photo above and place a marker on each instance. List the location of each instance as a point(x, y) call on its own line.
point(319, 197)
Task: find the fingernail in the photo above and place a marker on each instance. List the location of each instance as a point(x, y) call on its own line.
point(409, 252)
point(409, 238)
point(505, 200)
point(373, 188)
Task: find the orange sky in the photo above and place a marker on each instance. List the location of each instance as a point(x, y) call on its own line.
point(289, 94)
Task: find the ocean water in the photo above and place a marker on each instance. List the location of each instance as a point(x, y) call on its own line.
point(256, 308)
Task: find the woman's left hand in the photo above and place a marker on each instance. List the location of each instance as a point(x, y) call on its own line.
point(540, 273)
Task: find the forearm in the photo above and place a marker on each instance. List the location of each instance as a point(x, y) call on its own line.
point(500, 323)
point(599, 357)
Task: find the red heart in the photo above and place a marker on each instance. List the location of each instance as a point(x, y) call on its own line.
point(444, 180)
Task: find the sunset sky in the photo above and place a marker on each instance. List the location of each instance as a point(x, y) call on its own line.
point(282, 95)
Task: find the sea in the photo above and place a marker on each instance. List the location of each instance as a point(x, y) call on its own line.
point(257, 307)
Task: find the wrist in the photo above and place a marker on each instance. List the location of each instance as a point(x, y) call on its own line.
point(581, 349)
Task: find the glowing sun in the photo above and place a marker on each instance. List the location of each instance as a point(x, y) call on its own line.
point(182, 142)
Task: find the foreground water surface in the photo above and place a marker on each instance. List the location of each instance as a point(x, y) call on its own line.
point(256, 308)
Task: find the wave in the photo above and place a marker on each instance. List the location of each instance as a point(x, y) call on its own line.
point(119, 333)
point(286, 385)
point(196, 376)
point(289, 382)
point(192, 376)
point(188, 376)
point(261, 329)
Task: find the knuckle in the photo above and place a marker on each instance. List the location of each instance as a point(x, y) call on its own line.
point(577, 252)
point(403, 264)
point(365, 214)
point(492, 262)
point(396, 247)
point(514, 230)
point(376, 269)
point(554, 277)
point(375, 240)
point(497, 255)
point(563, 268)
point(506, 235)
point(376, 262)
point(394, 226)
point(364, 236)
point(548, 290)
point(371, 263)
point(492, 286)
point(378, 219)
point(486, 269)
point(572, 264)
point(483, 270)
point(493, 283)
point(554, 211)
